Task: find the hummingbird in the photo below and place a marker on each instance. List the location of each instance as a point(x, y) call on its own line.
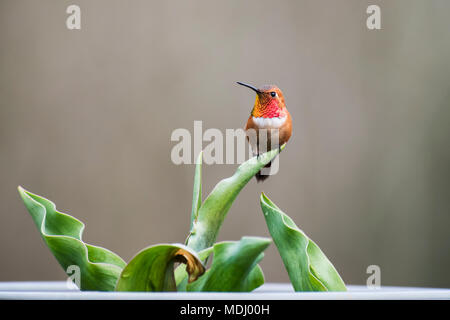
point(270, 113)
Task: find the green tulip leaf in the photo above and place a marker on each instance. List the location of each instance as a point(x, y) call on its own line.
point(152, 269)
point(212, 212)
point(307, 266)
point(234, 267)
point(99, 267)
point(197, 192)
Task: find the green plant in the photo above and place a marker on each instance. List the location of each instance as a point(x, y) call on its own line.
point(181, 267)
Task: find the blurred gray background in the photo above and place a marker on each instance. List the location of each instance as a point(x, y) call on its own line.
point(86, 118)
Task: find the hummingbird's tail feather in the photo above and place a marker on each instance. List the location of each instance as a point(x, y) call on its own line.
point(261, 177)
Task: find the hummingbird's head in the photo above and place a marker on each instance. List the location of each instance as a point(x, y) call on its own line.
point(269, 101)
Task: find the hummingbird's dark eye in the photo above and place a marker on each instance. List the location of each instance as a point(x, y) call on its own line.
point(273, 94)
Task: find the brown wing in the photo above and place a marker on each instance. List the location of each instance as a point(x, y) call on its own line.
point(286, 130)
point(254, 141)
point(250, 124)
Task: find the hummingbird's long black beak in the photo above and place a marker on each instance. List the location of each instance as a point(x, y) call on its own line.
point(248, 86)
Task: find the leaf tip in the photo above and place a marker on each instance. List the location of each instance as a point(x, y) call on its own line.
point(200, 157)
point(264, 199)
point(22, 192)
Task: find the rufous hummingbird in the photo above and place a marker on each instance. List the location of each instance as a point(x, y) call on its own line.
point(270, 113)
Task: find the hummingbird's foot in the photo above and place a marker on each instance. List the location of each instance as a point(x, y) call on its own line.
point(279, 149)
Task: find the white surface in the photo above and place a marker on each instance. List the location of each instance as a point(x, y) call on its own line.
point(55, 290)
